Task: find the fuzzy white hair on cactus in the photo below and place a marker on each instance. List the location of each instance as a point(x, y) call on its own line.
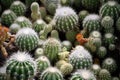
point(3, 69)
point(92, 17)
point(111, 3)
point(20, 19)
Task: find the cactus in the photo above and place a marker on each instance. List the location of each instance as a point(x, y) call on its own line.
point(83, 75)
point(95, 34)
point(66, 69)
point(55, 34)
point(65, 2)
point(3, 73)
point(102, 51)
point(82, 14)
point(104, 75)
point(51, 73)
point(104, 1)
point(109, 64)
point(26, 39)
point(0, 9)
point(67, 44)
point(18, 8)
point(51, 48)
point(8, 17)
point(92, 22)
point(43, 12)
point(35, 14)
point(38, 52)
point(96, 69)
point(118, 24)
point(90, 4)
point(112, 47)
point(63, 55)
point(6, 3)
point(14, 28)
point(60, 63)
point(66, 19)
point(28, 3)
point(80, 58)
point(111, 8)
point(107, 22)
point(21, 66)
point(39, 25)
point(23, 22)
point(42, 63)
point(115, 78)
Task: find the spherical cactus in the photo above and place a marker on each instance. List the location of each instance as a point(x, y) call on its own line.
point(118, 24)
point(39, 25)
point(21, 66)
point(112, 47)
point(67, 44)
point(6, 3)
point(42, 63)
point(39, 52)
point(51, 73)
point(80, 58)
point(107, 22)
point(96, 69)
point(60, 63)
point(26, 39)
point(111, 8)
point(108, 39)
point(92, 22)
point(83, 75)
point(104, 75)
point(18, 8)
point(90, 4)
point(82, 14)
point(3, 73)
point(66, 19)
point(14, 28)
point(102, 51)
point(66, 69)
point(8, 17)
point(95, 34)
point(109, 64)
point(23, 22)
point(51, 48)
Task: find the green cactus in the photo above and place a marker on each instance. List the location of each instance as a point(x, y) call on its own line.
point(109, 30)
point(21, 66)
point(115, 78)
point(55, 34)
point(104, 1)
point(51, 73)
point(42, 64)
point(3, 73)
point(14, 28)
point(67, 44)
point(80, 58)
point(39, 25)
point(66, 19)
point(96, 69)
point(109, 64)
point(92, 22)
point(63, 55)
point(83, 75)
point(60, 63)
point(8, 17)
point(6, 3)
point(82, 14)
point(112, 47)
point(51, 48)
point(118, 24)
point(26, 39)
point(38, 52)
point(111, 8)
point(18, 8)
point(104, 75)
point(43, 12)
point(95, 34)
point(102, 51)
point(23, 22)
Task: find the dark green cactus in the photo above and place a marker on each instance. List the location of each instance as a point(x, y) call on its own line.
point(102, 51)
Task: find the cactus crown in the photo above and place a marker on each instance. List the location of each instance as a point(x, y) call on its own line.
point(16, 2)
point(21, 19)
point(112, 3)
point(35, 6)
point(108, 35)
point(109, 61)
point(92, 17)
point(3, 69)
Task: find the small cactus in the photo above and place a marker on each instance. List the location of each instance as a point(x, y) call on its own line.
point(14, 28)
point(67, 44)
point(63, 55)
point(82, 14)
point(102, 51)
point(95, 34)
point(60, 63)
point(96, 69)
point(26, 39)
point(38, 52)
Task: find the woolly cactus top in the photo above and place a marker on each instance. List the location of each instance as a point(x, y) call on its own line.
point(64, 11)
point(21, 19)
point(43, 58)
point(108, 35)
point(40, 21)
point(96, 66)
point(16, 2)
point(111, 3)
point(92, 17)
point(7, 11)
point(109, 61)
point(3, 69)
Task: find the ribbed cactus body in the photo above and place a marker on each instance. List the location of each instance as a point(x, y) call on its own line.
point(102, 51)
point(42, 63)
point(26, 39)
point(96, 69)
point(23, 22)
point(8, 17)
point(80, 58)
point(111, 8)
point(18, 8)
point(51, 73)
point(109, 64)
point(91, 23)
point(83, 75)
point(51, 49)
point(39, 25)
point(104, 75)
point(6, 3)
point(66, 19)
point(82, 14)
point(21, 66)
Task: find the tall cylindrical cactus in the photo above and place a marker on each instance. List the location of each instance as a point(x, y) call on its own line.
point(21, 66)
point(26, 39)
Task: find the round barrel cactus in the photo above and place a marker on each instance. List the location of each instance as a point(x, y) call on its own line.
point(21, 66)
point(8, 17)
point(23, 22)
point(83, 75)
point(95, 34)
point(92, 22)
point(82, 14)
point(111, 8)
point(109, 64)
point(66, 19)
point(18, 8)
point(80, 58)
point(39, 25)
point(51, 73)
point(104, 75)
point(14, 28)
point(51, 48)
point(96, 69)
point(26, 39)
point(6, 3)
point(3, 73)
point(67, 44)
point(102, 51)
point(42, 63)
